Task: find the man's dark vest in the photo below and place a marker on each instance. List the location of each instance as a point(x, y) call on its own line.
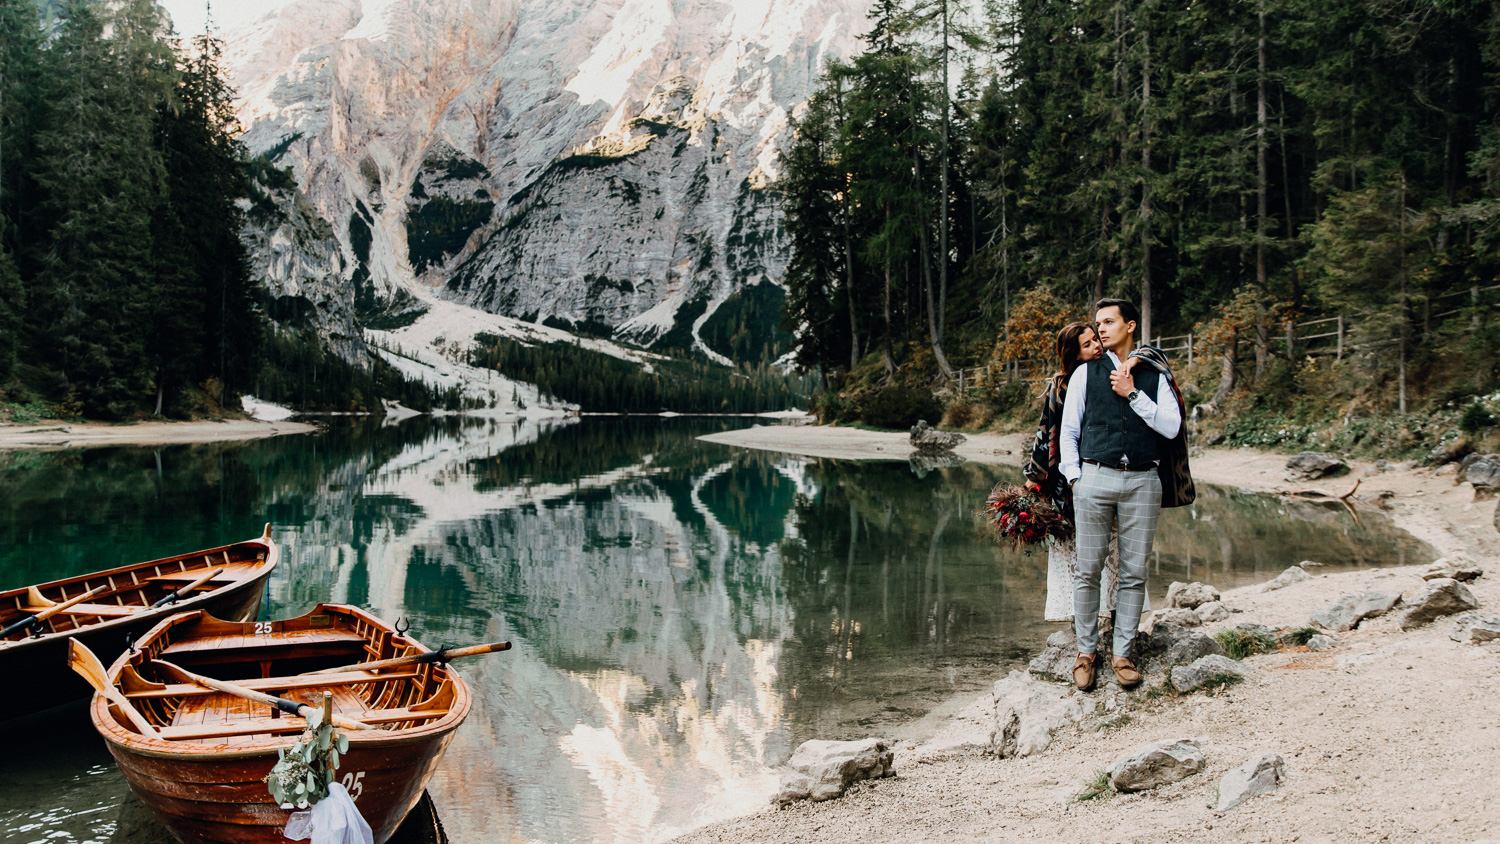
point(1111, 430)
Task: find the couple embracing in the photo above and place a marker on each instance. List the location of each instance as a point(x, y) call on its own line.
point(1110, 450)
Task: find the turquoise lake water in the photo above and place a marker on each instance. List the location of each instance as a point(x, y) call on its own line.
point(683, 613)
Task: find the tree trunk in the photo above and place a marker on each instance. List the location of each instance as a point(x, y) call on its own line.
point(849, 288)
point(1262, 323)
point(1145, 210)
point(844, 201)
point(939, 316)
point(934, 330)
point(888, 358)
point(1401, 305)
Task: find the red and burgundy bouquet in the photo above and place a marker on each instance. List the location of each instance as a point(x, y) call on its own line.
point(1024, 518)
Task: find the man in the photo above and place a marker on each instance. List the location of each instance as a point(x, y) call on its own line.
point(1116, 427)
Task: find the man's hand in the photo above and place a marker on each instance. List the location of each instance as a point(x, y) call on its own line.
point(1122, 382)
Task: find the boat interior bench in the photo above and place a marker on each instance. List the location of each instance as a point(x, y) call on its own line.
point(292, 724)
point(303, 644)
point(272, 685)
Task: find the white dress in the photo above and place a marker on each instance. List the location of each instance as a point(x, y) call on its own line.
point(1061, 560)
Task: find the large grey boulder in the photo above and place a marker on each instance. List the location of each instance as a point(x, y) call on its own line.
point(1347, 612)
point(1484, 474)
point(1482, 471)
point(1440, 597)
point(928, 440)
point(1312, 465)
point(1168, 645)
point(1190, 595)
point(1475, 629)
point(1294, 574)
point(1469, 460)
point(1464, 571)
point(1259, 775)
point(1156, 764)
point(1205, 671)
point(1028, 713)
point(823, 770)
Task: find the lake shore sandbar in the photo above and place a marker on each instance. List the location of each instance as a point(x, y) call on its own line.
point(60, 435)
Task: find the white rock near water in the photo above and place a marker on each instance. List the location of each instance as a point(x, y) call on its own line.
point(1028, 713)
point(1293, 574)
point(1348, 611)
point(823, 770)
point(1190, 595)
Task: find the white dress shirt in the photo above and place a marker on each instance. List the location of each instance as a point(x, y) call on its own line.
point(1162, 415)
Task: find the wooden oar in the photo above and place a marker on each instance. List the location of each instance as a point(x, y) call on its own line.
point(183, 590)
point(439, 655)
point(47, 613)
point(290, 707)
point(88, 666)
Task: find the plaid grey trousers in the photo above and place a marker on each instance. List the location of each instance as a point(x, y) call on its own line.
point(1101, 496)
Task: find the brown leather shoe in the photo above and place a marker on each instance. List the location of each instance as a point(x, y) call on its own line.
point(1084, 671)
point(1125, 672)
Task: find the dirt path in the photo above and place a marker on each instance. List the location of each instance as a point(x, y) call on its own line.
point(1390, 736)
point(59, 435)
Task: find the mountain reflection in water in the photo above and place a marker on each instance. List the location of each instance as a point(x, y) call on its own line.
point(684, 614)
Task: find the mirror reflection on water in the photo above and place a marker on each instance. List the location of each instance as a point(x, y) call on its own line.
point(684, 613)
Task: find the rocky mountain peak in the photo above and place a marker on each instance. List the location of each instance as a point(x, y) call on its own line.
point(588, 162)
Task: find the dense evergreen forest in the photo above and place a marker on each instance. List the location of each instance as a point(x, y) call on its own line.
point(125, 287)
point(979, 174)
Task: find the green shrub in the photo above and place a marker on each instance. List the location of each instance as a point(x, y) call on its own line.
point(900, 407)
point(1298, 638)
point(1097, 787)
point(1239, 644)
point(1475, 417)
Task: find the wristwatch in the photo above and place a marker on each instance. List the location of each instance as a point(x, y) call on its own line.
point(1132, 395)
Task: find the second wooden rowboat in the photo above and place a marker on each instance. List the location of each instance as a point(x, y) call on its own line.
point(121, 602)
point(203, 776)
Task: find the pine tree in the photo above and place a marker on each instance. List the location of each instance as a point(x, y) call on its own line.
point(209, 324)
point(102, 178)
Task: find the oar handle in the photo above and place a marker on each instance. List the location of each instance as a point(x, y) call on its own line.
point(171, 598)
point(439, 655)
point(51, 611)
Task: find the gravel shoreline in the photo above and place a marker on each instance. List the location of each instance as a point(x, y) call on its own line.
point(1390, 736)
point(59, 435)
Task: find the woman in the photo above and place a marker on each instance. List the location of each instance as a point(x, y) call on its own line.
point(1076, 345)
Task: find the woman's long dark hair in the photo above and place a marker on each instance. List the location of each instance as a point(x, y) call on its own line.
point(1067, 353)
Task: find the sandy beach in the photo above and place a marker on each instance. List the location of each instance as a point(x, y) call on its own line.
point(1390, 735)
point(91, 434)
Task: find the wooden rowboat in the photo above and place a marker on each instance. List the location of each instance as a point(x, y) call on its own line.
point(203, 775)
point(121, 602)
